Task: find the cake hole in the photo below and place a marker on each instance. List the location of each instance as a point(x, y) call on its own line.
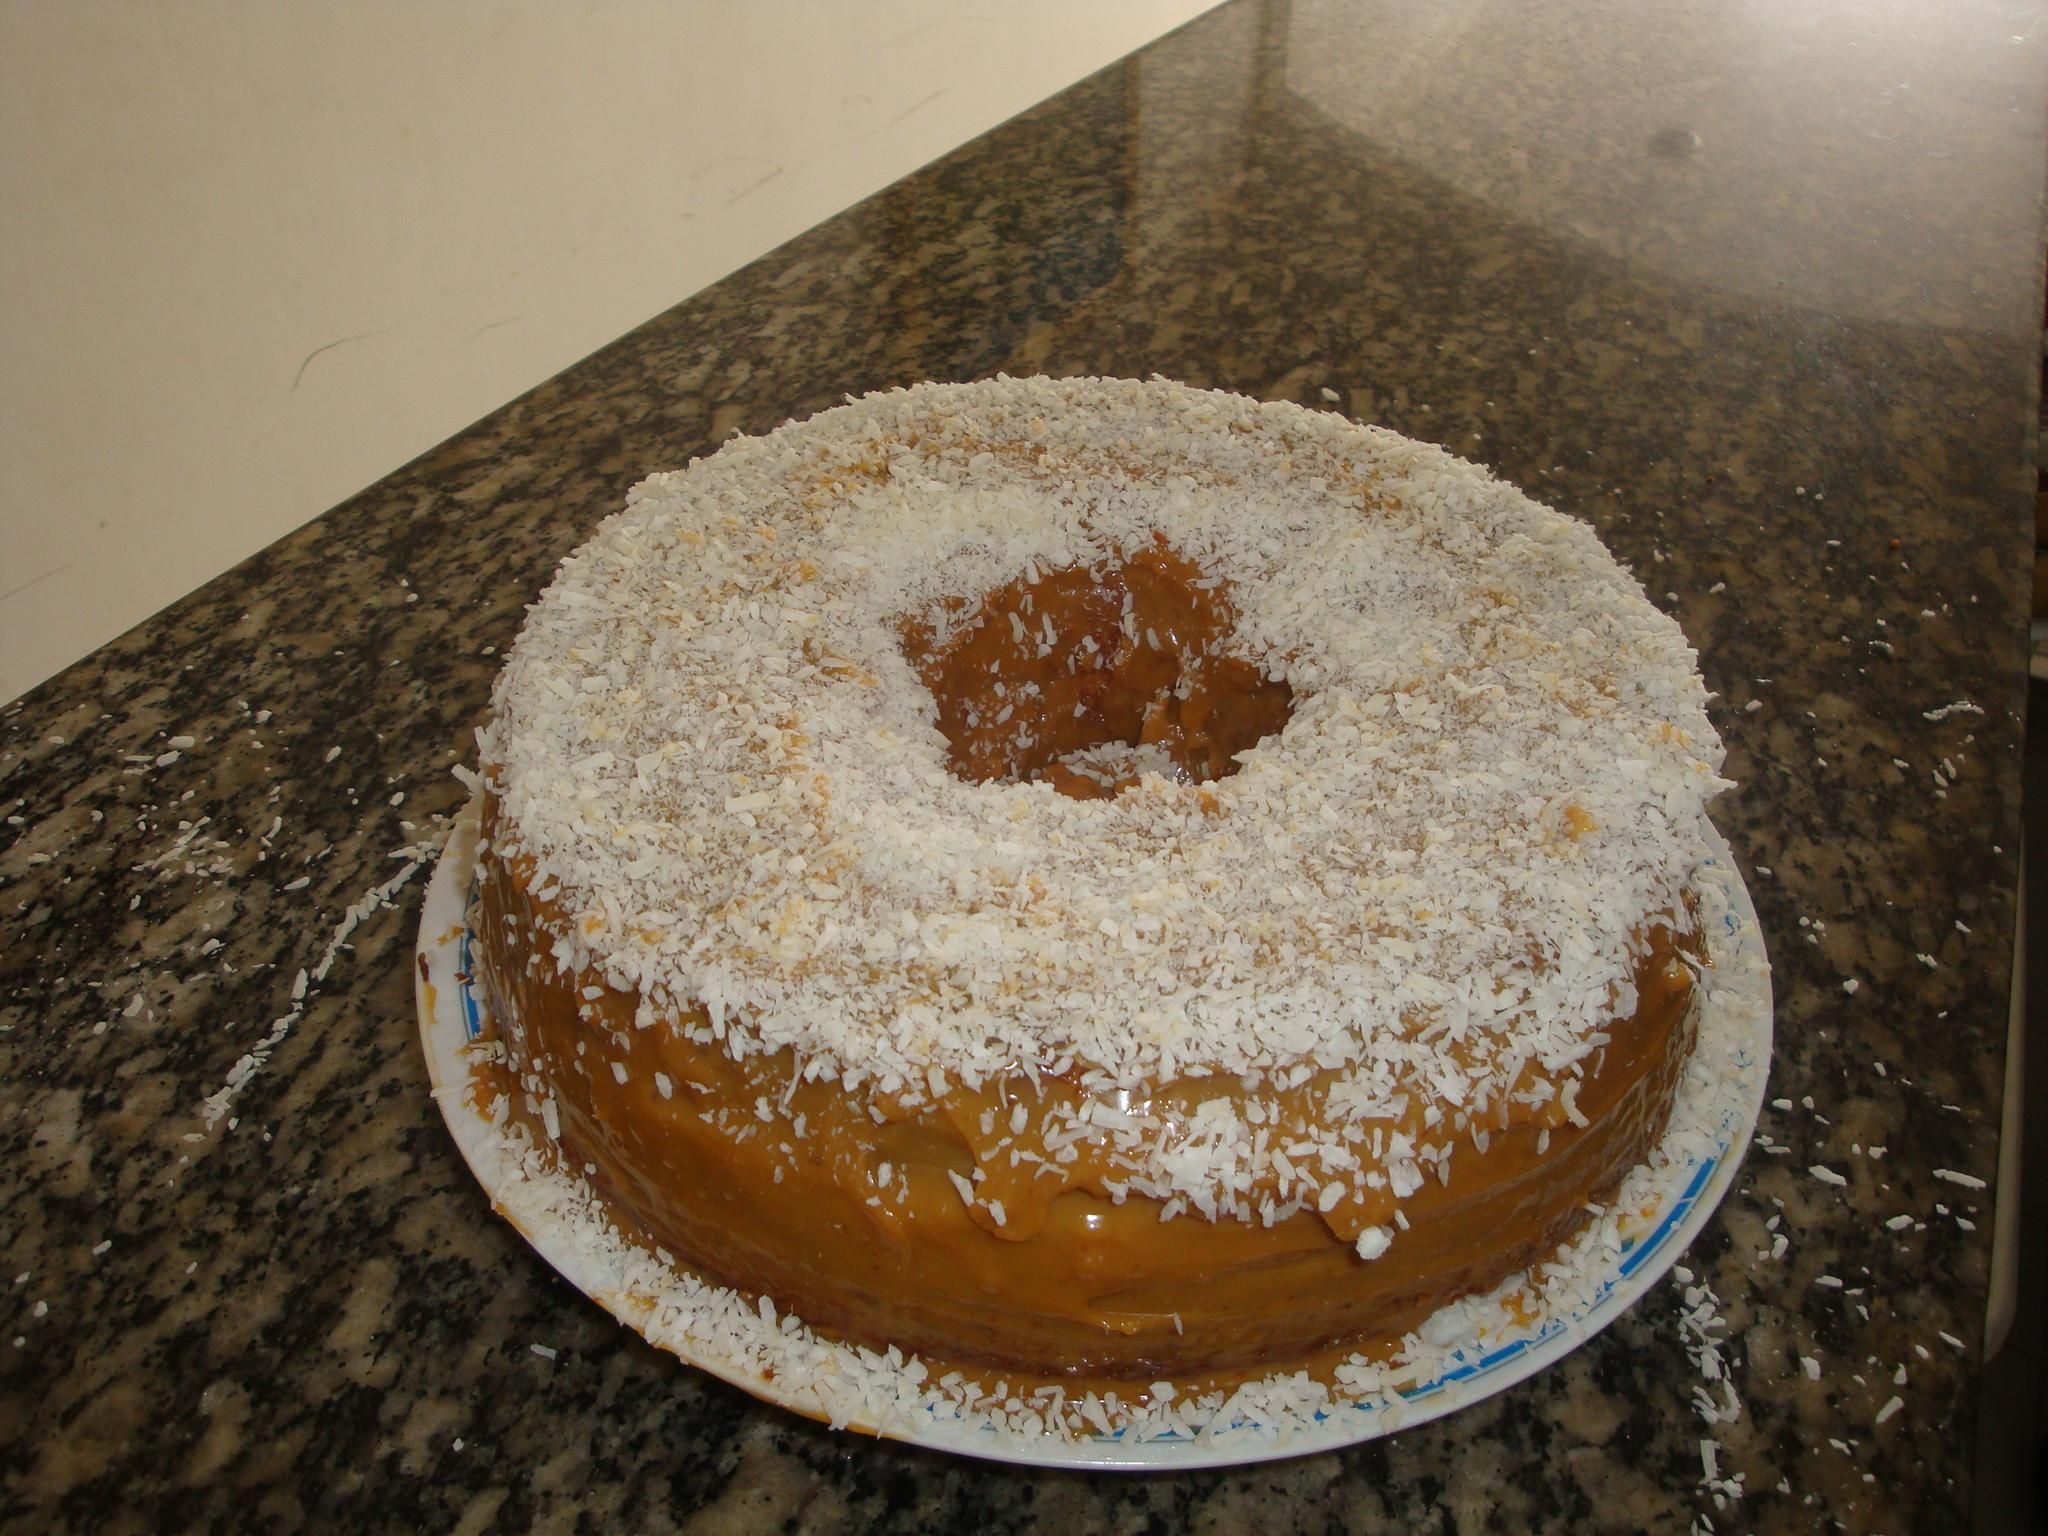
point(1089, 677)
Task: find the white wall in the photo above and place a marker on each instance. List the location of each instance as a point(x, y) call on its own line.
point(255, 256)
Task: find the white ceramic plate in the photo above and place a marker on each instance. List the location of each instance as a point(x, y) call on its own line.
point(1465, 1353)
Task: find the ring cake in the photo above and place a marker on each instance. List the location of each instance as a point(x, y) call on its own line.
point(1094, 880)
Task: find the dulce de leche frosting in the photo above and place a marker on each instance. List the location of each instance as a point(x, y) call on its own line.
point(1091, 880)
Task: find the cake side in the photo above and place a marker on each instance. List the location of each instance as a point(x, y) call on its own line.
point(885, 1232)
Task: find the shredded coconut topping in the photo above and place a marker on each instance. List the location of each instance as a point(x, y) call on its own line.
point(711, 746)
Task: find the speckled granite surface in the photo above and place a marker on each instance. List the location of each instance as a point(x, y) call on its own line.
point(1759, 298)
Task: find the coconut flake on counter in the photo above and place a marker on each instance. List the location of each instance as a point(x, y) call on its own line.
point(1714, 1398)
point(421, 855)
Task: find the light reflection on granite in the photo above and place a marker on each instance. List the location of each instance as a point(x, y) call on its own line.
point(306, 1315)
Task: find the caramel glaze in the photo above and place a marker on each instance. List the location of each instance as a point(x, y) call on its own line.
point(843, 1209)
point(1080, 658)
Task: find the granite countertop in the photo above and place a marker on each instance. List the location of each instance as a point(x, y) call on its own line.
point(1758, 297)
